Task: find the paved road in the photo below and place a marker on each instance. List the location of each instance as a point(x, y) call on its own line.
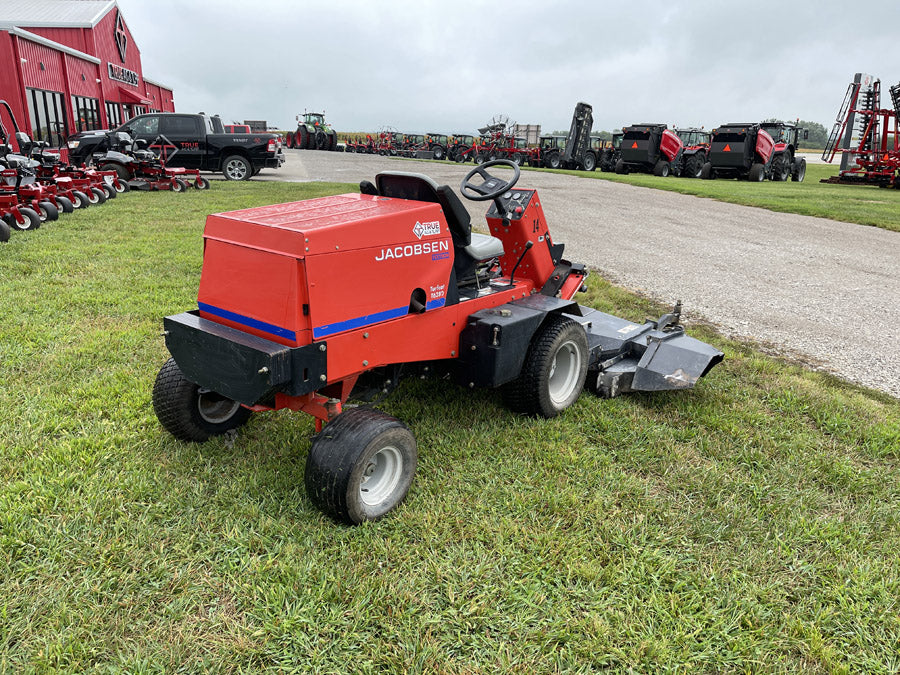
point(819, 290)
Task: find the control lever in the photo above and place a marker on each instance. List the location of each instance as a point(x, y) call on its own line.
point(528, 245)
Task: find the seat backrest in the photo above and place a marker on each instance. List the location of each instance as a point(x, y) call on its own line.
point(419, 187)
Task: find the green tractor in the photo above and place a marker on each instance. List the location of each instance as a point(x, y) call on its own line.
point(313, 133)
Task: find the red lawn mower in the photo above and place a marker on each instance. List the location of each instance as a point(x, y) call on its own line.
point(276, 328)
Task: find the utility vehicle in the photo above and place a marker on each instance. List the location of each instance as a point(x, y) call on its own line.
point(302, 305)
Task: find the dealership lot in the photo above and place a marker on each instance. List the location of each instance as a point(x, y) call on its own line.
point(817, 290)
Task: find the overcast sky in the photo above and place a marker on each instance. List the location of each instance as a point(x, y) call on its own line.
point(451, 66)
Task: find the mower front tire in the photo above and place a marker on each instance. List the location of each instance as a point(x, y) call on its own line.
point(553, 373)
point(361, 465)
point(237, 167)
point(96, 196)
point(47, 211)
point(192, 414)
point(28, 219)
point(80, 200)
point(63, 205)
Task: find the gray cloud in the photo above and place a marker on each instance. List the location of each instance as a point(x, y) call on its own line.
point(437, 66)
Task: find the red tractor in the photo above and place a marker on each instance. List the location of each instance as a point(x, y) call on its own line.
point(785, 162)
point(739, 150)
point(649, 148)
point(695, 152)
point(277, 328)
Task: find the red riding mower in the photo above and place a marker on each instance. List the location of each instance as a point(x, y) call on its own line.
point(141, 169)
point(276, 328)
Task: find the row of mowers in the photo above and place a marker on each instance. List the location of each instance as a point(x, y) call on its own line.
point(36, 186)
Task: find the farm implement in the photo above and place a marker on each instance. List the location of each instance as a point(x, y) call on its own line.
point(868, 136)
point(277, 328)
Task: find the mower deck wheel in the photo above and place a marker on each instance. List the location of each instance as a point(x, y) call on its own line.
point(192, 414)
point(554, 370)
point(28, 219)
point(47, 211)
point(4, 231)
point(361, 465)
point(63, 205)
point(237, 167)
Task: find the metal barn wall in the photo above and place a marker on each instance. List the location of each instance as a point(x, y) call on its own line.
point(10, 86)
point(76, 38)
point(83, 76)
point(42, 67)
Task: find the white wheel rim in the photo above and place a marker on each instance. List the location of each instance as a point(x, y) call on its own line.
point(215, 408)
point(236, 169)
point(381, 476)
point(564, 370)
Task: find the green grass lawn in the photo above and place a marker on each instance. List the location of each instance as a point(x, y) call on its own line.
point(752, 524)
point(849, 203)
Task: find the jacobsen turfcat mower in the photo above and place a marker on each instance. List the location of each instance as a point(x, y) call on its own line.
point(303, 304)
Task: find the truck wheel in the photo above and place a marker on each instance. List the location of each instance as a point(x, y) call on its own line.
point(4, 231)
point(590, 161)
point(47, 211)
point(553, 373)
point(661, 169)
point(236, 167)
point(361, 465)
point(799, 172)
point(63, 205)
point(192, 414)
point(757, 173)
point(27, 219)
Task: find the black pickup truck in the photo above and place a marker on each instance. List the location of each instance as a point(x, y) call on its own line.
point(189, 141)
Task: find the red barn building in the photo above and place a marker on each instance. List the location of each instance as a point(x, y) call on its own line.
point(72, 65)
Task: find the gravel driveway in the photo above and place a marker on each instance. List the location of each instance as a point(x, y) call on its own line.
point(820, 290)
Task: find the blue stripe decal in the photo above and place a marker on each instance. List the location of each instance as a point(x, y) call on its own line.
point(434, 304)
point(359, 322)
point(247, 321)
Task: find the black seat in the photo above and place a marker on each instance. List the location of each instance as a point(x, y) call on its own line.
point(419, 187)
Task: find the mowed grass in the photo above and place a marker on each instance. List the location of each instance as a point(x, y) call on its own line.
point(749, 525)
point(866, 205)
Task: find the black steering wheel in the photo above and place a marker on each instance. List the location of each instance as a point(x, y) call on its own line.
point(492, 187)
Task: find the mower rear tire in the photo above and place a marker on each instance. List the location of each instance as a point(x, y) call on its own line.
point(123, 173)
point(799, 172)
point(361, 465)
point(5, 232)
point(81, 200)
point(28, 219)
point(192, 414)
point(553, 373)
point(661, 169)
point(47, 211)
point(237, 167)
point(757, 173)
point(96, 196)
